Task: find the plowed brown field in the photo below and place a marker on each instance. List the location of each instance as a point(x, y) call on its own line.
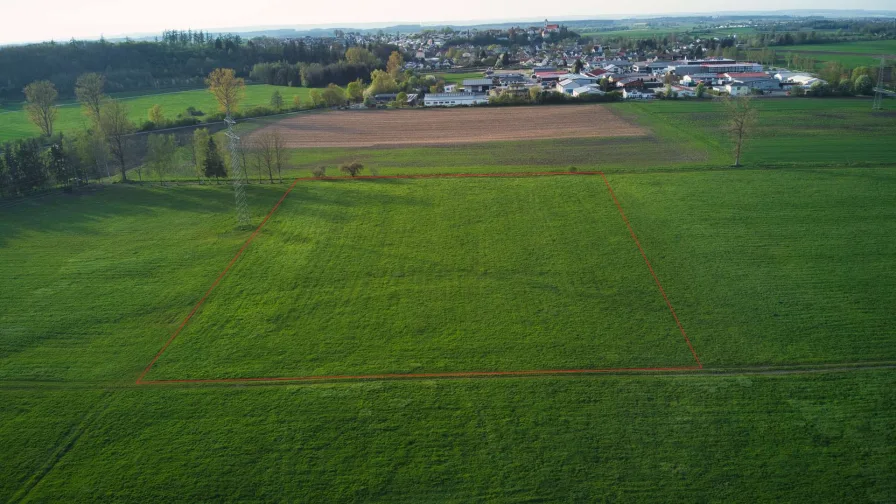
point(368, 128)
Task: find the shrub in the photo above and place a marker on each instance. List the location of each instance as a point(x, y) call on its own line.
point(352, 169)
point(319, 172)
point(195, 113)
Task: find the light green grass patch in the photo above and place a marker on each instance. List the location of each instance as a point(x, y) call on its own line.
point(404, 276)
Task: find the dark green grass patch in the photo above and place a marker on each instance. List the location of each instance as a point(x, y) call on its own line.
point(37, 428)
point(92, 284)
point(816, 438)
point(416, 276)
point(774, 267)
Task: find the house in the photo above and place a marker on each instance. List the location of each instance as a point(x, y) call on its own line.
point(629, 82)
point(684, 91)
point(566, 86)
point(454, 99)
point(694, 79)
point(761, 83)
point(733, 89)
point(450, 88)
point(635, 94)
point(478, 85)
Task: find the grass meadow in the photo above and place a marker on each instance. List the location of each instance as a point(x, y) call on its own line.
point(14, 123)
point(780, 272)
point(401, 276)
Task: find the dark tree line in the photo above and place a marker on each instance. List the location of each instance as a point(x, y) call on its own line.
point(282, 73)
point(179, 59)
point(27, 166)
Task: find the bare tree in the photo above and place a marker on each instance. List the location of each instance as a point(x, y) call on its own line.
point(41, 106)
point(116, 127)
point(742, 116)
point(270, 152)
point(89, 91)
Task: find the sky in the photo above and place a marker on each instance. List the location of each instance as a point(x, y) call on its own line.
point(61, 20)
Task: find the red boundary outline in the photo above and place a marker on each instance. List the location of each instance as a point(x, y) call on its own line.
point(456, 374)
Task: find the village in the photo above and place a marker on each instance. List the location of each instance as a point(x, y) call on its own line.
point(525, 62)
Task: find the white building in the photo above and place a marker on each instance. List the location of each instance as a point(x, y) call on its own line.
point(454, 99)
point(635, 94)
point(590, 89)
point(734, 89)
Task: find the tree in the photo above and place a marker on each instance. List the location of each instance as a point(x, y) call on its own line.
point(198, 148)
point(270, 151)
point(59, 164)
point(89, 91)
point(360, 56)
point(700, 92)
point(535, 94)
point(160, 151)
point(352, 169)
point(297, 102)
point(395, 64)
point(316, 99)
point(277, 101)
point(742, 115)
point(156, 116)
point(214, 165)
point(577, 68)
point(401, 99)
point(41, 106)
point(116, 126)
point(381, 82)
point(333, 95)
point(355, 91)
point(319, 172)
point(227, 89)
point(863, 85)
point(93, 152)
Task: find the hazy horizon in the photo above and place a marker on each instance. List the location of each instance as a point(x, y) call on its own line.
point(61, 21)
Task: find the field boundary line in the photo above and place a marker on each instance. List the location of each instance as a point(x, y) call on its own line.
point(652, 272)
point(215, 283)
point(401, 376)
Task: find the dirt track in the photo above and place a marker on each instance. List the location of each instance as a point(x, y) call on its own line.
point(368, 128)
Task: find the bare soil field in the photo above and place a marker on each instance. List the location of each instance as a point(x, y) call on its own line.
point(372, 128)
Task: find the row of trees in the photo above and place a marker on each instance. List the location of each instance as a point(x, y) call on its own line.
point(179, 59)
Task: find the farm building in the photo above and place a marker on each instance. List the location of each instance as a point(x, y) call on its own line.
point(454, 99)
point(636, 94)
point(590, 89)
point(478, 85)
point(760, 83)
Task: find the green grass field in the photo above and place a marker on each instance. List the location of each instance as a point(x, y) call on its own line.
point(851, 54)
point(14, 124)
point(458, 78)
point(401, 276)
point(780, 272)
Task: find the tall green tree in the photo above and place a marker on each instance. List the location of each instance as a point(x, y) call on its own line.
point(395, 64)
point(277, 101)
point(355, 91)
point(41, 107)
point(227, 88)
point(214, 164)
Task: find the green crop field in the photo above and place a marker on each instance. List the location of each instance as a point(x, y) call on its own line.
point(872, 47)
point(406, 278)
point(14, 123)
point(780, 272)
point(458, 78)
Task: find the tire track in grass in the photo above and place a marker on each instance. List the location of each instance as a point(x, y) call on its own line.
point(68, 443)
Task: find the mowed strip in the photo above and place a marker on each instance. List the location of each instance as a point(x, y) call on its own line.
point(448, 126)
